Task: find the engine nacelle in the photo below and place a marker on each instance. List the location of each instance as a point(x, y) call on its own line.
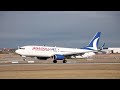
point(58, 57)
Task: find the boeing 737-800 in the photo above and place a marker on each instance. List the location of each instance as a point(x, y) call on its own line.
point(58, 53)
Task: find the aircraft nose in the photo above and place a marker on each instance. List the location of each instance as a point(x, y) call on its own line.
point(17, 51)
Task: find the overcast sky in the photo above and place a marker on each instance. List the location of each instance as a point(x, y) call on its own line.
point(58, 28)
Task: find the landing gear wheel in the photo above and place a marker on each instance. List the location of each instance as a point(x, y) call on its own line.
point(54, 61)
point(64, 61)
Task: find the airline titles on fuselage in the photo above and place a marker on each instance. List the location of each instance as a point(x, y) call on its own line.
point(44, 49)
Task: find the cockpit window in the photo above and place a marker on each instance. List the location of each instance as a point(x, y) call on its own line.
point(22, 48)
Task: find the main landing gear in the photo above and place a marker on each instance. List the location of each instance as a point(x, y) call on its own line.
point(55, 61)
point(64, 61)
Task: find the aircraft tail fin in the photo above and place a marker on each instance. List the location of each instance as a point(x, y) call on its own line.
point(93, 44)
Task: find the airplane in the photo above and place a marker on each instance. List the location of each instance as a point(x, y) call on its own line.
point(57, 53)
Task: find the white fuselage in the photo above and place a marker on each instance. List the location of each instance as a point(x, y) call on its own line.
point(46, 51)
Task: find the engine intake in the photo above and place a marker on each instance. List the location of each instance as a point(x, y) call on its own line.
point(58, 57)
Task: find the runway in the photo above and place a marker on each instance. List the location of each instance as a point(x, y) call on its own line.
point(60, 71)
point(73, 69)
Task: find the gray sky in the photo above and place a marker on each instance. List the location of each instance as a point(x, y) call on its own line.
point(61, 28)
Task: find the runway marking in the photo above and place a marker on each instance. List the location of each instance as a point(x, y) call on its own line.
point(14, 62)
point(30, 61)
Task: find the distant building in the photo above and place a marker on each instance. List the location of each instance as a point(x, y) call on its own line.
point(110, 50)
point(6, 50)
point(114, 50)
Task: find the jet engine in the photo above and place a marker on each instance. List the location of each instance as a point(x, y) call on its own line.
point(58, 57)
